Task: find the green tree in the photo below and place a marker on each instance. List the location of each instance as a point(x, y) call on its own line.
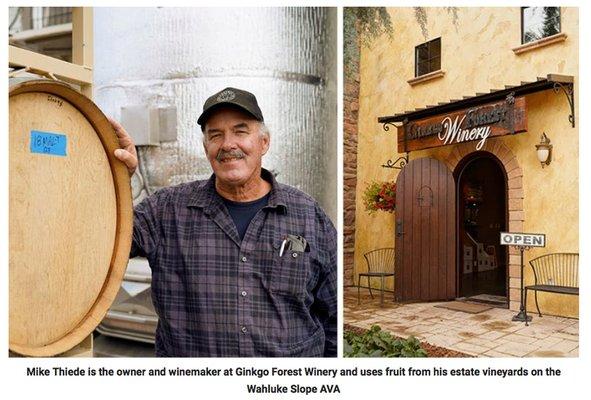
point(361, 25)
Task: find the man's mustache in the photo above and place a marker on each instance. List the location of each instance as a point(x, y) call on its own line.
point(222, 154)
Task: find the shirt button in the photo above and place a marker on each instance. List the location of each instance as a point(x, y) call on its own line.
point(244, 330)
point(243, 259)
point(243, 293)
point(294, 255)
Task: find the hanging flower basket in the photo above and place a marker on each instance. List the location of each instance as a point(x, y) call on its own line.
point(380, 196)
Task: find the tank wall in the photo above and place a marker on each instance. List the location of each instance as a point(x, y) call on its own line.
point(180, 56)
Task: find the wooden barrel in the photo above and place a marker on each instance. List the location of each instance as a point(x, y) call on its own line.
point(71, 217)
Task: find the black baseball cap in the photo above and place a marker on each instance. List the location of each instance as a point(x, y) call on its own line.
point(229, 96)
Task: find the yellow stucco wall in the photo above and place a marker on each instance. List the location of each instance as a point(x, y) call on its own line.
point(477, 56)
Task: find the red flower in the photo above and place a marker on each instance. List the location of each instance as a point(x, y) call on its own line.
point(380, 196)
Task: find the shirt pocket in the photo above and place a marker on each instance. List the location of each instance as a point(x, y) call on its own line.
point(310, 346)
point(289, 274)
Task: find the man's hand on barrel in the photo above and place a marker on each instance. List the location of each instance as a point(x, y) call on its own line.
point(127, 153)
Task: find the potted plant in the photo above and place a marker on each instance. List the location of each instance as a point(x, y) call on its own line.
point(380, 196)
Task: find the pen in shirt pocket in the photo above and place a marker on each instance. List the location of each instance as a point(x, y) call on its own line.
point(293, 243)
point(282, 247)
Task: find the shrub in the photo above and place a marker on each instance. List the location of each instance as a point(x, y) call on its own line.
point(378, 343)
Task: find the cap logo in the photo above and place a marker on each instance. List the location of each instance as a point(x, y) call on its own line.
point(226, 95)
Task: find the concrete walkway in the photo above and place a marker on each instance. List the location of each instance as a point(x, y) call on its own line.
point(487, 334)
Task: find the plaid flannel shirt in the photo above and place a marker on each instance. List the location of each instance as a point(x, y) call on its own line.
point(217, 296)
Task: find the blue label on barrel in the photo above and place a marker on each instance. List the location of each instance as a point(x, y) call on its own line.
point(49, 143)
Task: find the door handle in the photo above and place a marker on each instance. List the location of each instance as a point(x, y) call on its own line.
point(399, 230)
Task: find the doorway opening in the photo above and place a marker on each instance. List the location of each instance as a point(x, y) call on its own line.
point(482, 213)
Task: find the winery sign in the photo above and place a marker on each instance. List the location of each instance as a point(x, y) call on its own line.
point(475, 124)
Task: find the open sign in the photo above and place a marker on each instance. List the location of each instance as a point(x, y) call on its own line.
point(523, 239)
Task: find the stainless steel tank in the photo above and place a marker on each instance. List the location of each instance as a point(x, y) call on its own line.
point(177, 57)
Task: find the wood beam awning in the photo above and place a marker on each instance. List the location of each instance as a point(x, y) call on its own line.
point(555, 82)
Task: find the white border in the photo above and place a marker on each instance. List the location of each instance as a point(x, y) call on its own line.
point(575, 371)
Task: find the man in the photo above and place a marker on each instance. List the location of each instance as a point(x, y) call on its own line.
point(242, 266)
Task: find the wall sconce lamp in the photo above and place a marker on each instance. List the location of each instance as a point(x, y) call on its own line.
point(544, 150)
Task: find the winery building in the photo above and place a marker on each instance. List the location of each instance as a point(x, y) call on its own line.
point(474, 116)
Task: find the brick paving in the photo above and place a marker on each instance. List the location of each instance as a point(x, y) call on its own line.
point(487, 334)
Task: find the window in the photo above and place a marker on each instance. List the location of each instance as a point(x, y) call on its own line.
point(539, 22)
point(428, 57)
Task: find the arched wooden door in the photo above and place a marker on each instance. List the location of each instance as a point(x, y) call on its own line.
point(425, 232)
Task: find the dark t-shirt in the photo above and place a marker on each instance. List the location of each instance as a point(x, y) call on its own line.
point(243, 212)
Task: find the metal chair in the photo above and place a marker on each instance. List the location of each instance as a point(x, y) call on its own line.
point(554, 273)
point(380, 264)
